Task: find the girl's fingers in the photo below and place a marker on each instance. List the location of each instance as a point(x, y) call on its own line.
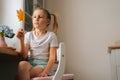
point(20, 33)
point(21, 30)
point(43, 75)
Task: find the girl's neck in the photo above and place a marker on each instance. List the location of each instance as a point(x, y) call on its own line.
point(40, 33)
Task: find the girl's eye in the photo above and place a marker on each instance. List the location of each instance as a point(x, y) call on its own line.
point(37, 17)
point(40, 17)
point(34, 16)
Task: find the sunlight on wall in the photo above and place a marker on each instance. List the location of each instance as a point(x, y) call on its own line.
point(8, 16)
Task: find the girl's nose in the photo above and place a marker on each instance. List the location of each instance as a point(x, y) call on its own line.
point(37, 18)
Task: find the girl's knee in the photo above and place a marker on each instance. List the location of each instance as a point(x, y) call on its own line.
point(24, 65)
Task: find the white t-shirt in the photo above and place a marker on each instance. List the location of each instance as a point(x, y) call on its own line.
point(39, 46)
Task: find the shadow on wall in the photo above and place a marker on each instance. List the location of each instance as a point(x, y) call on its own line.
point(1, 11)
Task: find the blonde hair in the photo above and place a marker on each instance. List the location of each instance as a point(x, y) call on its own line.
point(55, 24)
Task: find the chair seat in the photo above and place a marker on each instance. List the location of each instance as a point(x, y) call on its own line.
point(68, 77)
point(43, 78)
point(64, 77)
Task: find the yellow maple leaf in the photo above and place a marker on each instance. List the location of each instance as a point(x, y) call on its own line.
point(21, 15)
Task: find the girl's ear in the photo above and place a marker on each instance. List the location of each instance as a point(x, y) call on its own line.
point(48, 21)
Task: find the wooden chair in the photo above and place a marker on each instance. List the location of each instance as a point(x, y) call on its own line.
point(59, 74)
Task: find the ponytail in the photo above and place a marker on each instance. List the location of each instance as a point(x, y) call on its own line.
point(55, 24)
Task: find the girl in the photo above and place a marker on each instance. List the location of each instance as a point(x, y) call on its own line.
point(40, 43)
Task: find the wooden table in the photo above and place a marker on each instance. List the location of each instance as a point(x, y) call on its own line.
point(9, 60)
point(116, 45)
point(114, 49)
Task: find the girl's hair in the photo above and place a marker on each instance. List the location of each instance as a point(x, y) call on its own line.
point(55, 24)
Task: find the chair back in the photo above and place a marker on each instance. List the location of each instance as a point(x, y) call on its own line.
point(61, 62)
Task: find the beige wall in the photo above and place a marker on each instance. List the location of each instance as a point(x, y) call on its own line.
point(8, 14)
point(87, 27)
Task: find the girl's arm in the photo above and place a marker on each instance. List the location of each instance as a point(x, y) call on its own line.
point(26, 49)
point(51, 62)
point(23, 47)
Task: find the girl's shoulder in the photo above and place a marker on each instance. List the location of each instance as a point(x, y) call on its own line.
point(29, 33)
point(51, 33)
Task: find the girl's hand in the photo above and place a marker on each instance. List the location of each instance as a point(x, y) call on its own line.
point(43, 74)
point(20, 34)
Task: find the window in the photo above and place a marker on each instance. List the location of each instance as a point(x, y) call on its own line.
point(29, 6)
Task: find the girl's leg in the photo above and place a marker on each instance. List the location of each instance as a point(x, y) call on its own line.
point(35, 71)
point(24, 70)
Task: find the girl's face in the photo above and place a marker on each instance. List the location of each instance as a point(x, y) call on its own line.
point(40, 20)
